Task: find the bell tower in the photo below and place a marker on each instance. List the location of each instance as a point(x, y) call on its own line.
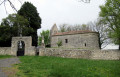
point(53, 30)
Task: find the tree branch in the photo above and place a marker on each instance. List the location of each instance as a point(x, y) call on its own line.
point(12, 5)
point(85, 1)
point(2, 2)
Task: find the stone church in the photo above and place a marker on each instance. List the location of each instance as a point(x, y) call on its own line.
point(74, 39)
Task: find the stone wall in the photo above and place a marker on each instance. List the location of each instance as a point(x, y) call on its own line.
point(81, 53)
point(106, 54)
point(83, 40)
point(28, 44)
point(69, 53)
point(8, 51)
point(30, 50)
point(5, 50)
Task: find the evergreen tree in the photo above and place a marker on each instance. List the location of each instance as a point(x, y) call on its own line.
point(29, 11)
point(5, 36)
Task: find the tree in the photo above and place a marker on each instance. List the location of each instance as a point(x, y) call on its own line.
point(85, 1)
point(18, 24)
point(29, 12)
point(63, 27)
point(77, 27)
point(14, 20)
point(11, 26)
point(110, 13)
point(5, 36)
point(99, 27)
point(14, 8)
point(46, 35)
point(11, 4)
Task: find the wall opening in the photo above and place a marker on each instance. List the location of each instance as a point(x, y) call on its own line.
point(85, 44)
point(37, 51)
point(21, 48)
point(66, 40)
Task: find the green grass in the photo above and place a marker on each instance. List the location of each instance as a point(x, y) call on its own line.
point(5, 56)
point(36, 66)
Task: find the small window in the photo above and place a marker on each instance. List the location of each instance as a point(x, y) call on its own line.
point(85, 44)
point(66, 40)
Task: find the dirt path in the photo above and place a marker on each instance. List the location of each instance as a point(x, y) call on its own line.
point(7, 63)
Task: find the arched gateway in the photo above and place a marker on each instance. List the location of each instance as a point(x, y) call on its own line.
point(22, 46)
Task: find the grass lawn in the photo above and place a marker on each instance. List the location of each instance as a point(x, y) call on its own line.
point(5, 56)
point(36, 66)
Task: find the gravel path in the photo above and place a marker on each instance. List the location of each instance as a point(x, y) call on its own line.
point(7, 63)
point(2, 74)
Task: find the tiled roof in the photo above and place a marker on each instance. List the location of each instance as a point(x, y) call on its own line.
point(73, 32)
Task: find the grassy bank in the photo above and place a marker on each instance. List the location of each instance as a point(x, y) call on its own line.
point(36, 66)
point(5, 56)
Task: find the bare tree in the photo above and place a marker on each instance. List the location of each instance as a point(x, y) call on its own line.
point(85, 1)
point(11, 4)
point(63, 27)
point(99, 27)
point(77, 27)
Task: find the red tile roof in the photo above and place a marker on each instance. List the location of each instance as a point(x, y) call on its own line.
point(73, 32)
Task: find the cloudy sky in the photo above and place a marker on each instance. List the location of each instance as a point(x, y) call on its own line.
point(59, 11)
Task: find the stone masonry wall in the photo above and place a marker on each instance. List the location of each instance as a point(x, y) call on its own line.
point(5, 50)
point(106, 54)
point(28, 44)
point(85, 40)
point(30, 50)
point(80, 53)
point(69, 53)
point(8, 51)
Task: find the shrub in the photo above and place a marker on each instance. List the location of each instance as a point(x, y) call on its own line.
point(59, 43)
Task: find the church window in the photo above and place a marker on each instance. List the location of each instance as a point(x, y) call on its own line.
point(85, 44)
point(66, 40)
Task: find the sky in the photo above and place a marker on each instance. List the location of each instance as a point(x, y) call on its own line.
point(59, 11)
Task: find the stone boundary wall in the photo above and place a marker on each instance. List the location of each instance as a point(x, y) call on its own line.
point(8, 51)
point(69, 53)
point(106, 54)
point(31, 51)
point(5, 50)
point(81, 53)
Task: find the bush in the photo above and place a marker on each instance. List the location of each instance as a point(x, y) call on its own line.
point(59, 43)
